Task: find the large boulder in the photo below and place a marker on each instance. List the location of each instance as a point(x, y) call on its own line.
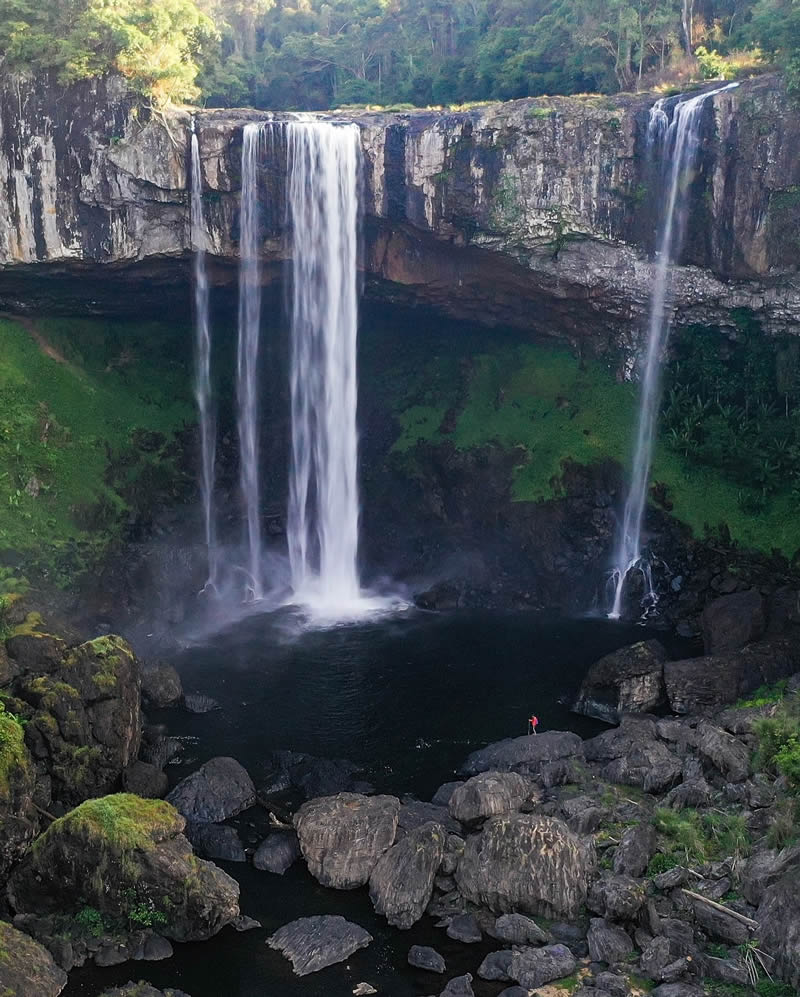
point(525, 863)
point(18, 818)
point(723, 751)
point(633, 755)
point(312, 943)
point(123, 856)
point(608, 942)
point(342, 837)
point(277, 852)
point(217, 790)
point(161, 685)
point(731, 621)
point(487, 795)
point(779, 923)
point(630, 680)
point(532, 968)
point(401, 884)
point(85, 724)
point(26, 968)
point(527, 754)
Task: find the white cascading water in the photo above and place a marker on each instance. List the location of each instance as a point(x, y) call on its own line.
point(247, 354)
point(323, 514)
point(676, 143)
point(202, 362)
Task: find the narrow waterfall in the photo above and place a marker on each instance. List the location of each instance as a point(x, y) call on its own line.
point(676, 143)
point(323, 511)
point(247, 353)
point(202, 361)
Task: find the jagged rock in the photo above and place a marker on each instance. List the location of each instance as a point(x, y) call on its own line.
point(720, 925)
point(311, 776)
point(693, 793)
point(630, 680)
point(496, 966)
point(464, 928)
point(277, 853)
point(146, 780)
point(197, 702)
point(726, 970)
point(453, 850)
point(312, 943)
point(618, 897)
point(342, 837)
point(488, 794)
point(424, 957)
point(112, 849)
point(612, 984)
point(671, 878)
point(26, 968)
point(636, 848)
point(765, 869)
point(533, 968)
point(675, 970)
point(525, 755)
point(720, 749)
point(215, 841)
point(516, 929)
point(401, 884)
point(731, 621)
point(244, 923)
point(633, 755)
point(608, 942)
point(461, 986)
point(219, 789)
point(655, 957)
point(161, 685)
point(363, 990)
point(779, 922)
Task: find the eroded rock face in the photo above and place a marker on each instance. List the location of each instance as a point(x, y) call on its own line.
point(525, 863)
point(630, 680)
point(487, 795)
point(401, 883)
point(342, 837)
point(27, 969)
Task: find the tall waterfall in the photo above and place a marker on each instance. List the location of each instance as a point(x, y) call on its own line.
point(202, 362)
point(247, 353)
point(323, 509)
point(676, 144)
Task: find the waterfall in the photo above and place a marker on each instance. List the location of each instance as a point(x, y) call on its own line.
point(323, 512)
point(247, 353)
point(676, 143)
point(202, 361)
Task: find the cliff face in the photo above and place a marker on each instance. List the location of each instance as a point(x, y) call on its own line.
point(537, 213)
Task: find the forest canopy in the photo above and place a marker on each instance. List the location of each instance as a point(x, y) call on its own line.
point(317, 54)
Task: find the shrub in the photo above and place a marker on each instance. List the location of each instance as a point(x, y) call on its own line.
point(779, 741)
point(90, 921)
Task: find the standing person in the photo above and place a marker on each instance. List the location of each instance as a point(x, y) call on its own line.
point(533, 723)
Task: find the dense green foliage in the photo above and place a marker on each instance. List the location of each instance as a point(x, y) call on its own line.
point(318, 54)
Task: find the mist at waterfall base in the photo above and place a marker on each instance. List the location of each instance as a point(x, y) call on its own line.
point(673, 142)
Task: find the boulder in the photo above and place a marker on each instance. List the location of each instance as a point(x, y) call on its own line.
point(527, 754)
point(219, 789)
point(312, 943)
point(26, 968)
point(496, 966)
point(532, 968)
point(608, 942)
point(342, 837)
point(120, 854)
point(722, 750)
point(401, 884)
point(633, 755)
point(424, 957)
point(161, 685)
point(215, 841)
point(720, 925)
point(277, 853)
point(618, 897)
point(779, 924)
point(18, 817)
point(311, 776)
point(441, 798)
point(678, 990)
point(465, 928)
point(731, 621)
point(36, 653)
point(637, 846)
point(655, 956)
point(525, 863)
point(461, 986)
point(516, 929)
point(630, 680)
point(488, 794)
point(414, 814)
point(144, 779)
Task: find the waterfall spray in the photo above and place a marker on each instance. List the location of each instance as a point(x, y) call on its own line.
point(202, 361)
point(677, 144)
point(247, 354)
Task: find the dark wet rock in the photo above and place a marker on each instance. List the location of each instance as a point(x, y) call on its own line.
point(139, 945)
point(196, 702)
point(414, 814)
point(731, 621)
point(779, 922)
point(146, 780)
point(496, 966)
point(219, 789)
point(630, 680)
point(636, 848)
point(633, 755)
point(26, 968)
point(311, 776)
point(487, 795)
point(161, 685)
point(525, 863)
point(608, 942)
point(115, 847)
point(342, 837)
point(525, 754)
point(424, 957)
point(141, 989)
point(401, 884)
point(312, 943)
point(441, 798)
point(655, 956)
point(618, 897)
point(533, 968)
point(277, 852)
point(9, 669)
point(461, 986)
point(18, 817)
point(36, 653)
point(722, 750)
point(453, 850)
point(516, 929)
point(465, 928)
point(244, 923)
point(215, 841)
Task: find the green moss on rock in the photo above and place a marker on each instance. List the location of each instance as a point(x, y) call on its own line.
point(15, 761)
point(125, 822)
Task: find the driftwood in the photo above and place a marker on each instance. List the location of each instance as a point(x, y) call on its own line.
point(751, 924)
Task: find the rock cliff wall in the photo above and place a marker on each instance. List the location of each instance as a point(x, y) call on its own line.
point(536, 213)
